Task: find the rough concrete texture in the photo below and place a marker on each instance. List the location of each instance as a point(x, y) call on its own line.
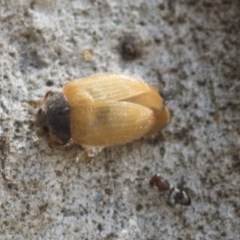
point(190, 50)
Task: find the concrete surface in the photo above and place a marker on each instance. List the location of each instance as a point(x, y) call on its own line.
point(190, 50)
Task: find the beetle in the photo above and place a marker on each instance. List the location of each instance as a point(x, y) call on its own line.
point(176, 195)
point(101, 110)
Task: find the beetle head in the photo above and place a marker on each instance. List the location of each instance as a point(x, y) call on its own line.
point(53, 119)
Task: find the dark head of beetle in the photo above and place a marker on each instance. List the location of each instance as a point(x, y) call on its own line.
point(53, 119)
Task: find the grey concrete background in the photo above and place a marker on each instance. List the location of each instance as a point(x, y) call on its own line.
point(190, 50)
